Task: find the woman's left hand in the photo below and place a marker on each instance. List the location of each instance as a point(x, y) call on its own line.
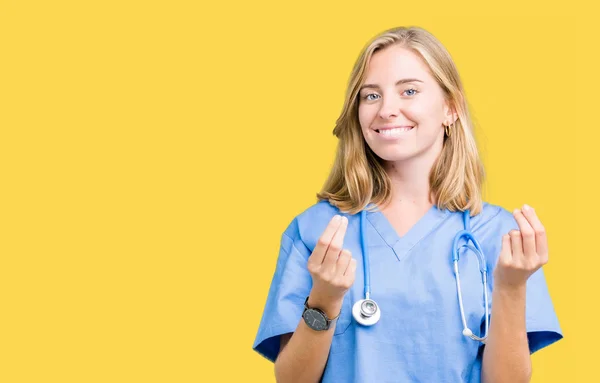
point(523, 252)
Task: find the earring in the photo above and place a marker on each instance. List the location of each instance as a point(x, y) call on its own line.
point(447, 129)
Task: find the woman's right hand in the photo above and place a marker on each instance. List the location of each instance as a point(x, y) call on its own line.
point(332, 268)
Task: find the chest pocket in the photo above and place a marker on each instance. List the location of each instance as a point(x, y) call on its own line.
point(345, 318)
point(343, 338)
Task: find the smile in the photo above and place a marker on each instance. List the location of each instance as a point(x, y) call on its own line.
point(393, 133)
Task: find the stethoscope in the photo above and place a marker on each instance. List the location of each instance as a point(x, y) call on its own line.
point(367, 312)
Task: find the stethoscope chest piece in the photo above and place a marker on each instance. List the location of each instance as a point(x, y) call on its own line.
point(366, 312)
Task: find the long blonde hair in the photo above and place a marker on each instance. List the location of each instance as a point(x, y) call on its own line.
point(358, 178)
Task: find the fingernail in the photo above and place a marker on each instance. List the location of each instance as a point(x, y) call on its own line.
point(336, 218)
point(516, 211)
point(527, 207)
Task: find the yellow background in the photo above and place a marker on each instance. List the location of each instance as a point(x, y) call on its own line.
point(152, 153)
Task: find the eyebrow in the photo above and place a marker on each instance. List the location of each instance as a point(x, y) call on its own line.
point(402, 81)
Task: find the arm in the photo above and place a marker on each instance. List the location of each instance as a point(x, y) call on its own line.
point(506, 355)
point(303, 354)
point(304, 357)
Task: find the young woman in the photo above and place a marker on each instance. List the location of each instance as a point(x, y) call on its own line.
point(391, 275)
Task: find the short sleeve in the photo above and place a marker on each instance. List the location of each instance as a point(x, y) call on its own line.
point(541, 321)
point(290, 285)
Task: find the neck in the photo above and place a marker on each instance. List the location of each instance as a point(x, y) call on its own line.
point(410, 182)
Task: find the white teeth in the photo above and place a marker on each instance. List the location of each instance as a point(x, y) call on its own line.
point(394, 132)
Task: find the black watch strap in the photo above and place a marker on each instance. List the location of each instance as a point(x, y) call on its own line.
point(306, 307)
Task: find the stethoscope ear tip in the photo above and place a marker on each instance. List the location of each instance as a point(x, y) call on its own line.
point(467, 332)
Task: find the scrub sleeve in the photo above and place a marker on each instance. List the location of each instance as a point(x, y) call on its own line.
point(290, 286)
point(541, 321)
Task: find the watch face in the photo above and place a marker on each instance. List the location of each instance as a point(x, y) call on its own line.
point(315, 320)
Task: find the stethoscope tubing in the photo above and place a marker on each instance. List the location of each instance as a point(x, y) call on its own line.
point(476, 248)
point(365, 251)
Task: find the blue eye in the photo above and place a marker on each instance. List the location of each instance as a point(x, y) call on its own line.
point(366, 97)
point(414, 90)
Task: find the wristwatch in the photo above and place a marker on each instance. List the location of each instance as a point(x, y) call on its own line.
point(316, 319)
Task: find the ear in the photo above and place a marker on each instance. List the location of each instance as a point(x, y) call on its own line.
point(450, 115)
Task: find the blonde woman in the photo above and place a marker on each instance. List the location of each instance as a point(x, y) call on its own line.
point(390, 276)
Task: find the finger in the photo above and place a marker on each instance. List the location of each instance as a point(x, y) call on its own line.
point(318, 253)
point(516, 246)
point(343, 262)
point(351, 270)
point(335, 247)
point(506, 252)
point(527, 234)
point(541, 242)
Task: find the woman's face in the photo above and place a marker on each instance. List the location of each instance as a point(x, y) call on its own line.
point(399, 91)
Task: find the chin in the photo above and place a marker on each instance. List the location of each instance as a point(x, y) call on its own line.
point(395, 155)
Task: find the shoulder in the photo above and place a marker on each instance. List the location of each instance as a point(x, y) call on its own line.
point(493, 222)
point(317, 212)
point(493, 215)
point(308, 225)
point(493, 218)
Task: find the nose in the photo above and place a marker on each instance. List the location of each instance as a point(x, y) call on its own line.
point(390, 108)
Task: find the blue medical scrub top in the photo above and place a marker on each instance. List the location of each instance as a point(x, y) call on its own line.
point(419, 336)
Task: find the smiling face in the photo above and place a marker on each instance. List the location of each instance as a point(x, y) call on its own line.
point(399, 92)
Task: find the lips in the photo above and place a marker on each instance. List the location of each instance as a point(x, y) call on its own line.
point(393, 134)
point(398, 128)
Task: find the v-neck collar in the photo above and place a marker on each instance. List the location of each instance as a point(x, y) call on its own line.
point(402, 245)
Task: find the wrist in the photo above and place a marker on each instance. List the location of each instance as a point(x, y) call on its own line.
point(331, 308)
point(510, 289)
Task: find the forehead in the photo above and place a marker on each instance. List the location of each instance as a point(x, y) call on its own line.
point(393, 63)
